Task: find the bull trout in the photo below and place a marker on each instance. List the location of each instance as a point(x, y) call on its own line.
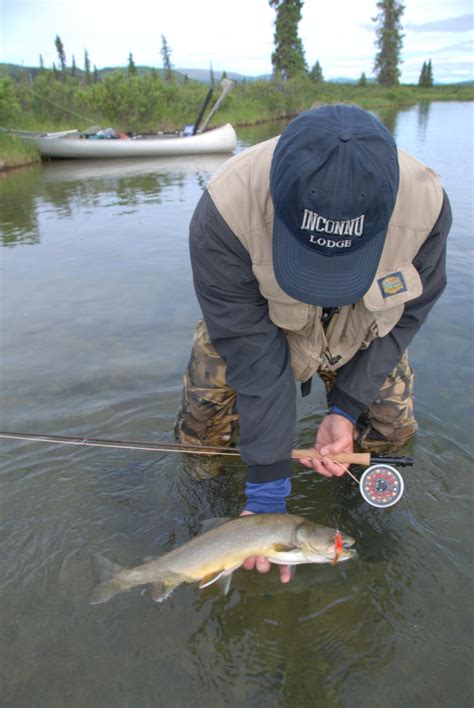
point(213, 556)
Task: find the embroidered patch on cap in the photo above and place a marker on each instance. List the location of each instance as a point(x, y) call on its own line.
point(392, 284)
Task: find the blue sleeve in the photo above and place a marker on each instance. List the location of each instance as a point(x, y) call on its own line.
point(269, 497)
point(256, 352)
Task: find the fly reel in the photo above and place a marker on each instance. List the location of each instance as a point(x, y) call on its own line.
point(381, 485)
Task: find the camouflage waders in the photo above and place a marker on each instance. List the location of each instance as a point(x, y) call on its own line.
point(208, 414)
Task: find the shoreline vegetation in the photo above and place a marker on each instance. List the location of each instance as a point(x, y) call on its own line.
point(147, 103)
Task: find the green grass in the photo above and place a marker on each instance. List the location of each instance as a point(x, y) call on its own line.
point(252, 103)
point(14, 152)
point(148, 103)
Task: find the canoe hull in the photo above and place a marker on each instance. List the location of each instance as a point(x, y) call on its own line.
point(70, 146)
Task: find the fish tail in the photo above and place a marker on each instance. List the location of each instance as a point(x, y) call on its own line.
point(107, 585)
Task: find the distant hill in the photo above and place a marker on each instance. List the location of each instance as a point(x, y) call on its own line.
point(204, 75)
point(16, 71)
point(342, 80)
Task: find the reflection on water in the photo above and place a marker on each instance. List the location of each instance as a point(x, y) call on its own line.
point(423, 119)
point(67, 185)
point(96, 321)
point(18, 218)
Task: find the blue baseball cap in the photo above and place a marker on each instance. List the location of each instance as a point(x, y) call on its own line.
point(334, 181)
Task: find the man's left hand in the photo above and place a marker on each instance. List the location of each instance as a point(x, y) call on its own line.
point(335, 435)
point(263, 565)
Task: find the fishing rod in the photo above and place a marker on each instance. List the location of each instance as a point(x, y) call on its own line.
point(357, 458)
point(381, 485)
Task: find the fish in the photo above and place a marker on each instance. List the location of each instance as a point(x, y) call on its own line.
point(212, 556)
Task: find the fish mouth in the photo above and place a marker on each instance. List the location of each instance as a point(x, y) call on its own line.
point(328, 557)
point(348, 551)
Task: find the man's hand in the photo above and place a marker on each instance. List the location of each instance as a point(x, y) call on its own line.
point(335, 434)
point(263, 565)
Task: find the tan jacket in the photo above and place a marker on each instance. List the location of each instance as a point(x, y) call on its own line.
point(241, 193)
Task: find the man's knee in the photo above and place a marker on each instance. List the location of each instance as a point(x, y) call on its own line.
point(389, 422)
point(207, 415)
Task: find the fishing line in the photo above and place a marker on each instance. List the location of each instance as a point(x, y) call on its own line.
point(58, 105)
point(346, 469)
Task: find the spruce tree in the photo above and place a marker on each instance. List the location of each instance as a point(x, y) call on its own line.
point(61, 55)
point(41, 63)
point(96, 74)
point(363, 80)
point(87, 66)
point(426, 75)
point(131, 68)
point(73, 67)
point(389, 41)
point(429, 74)
point(166, 54)
point(422, 79)
point(288, 58)
point(316, 73)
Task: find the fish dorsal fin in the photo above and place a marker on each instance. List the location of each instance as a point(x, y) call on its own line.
point(214, 523)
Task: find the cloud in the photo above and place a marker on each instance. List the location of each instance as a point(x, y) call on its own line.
point(464, 23)
point(459, 47)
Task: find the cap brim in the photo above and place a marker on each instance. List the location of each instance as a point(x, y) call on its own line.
point(327, 281)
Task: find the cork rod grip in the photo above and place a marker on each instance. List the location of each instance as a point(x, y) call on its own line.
point(344, 458)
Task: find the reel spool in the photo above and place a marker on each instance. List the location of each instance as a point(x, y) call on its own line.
point(381, 485)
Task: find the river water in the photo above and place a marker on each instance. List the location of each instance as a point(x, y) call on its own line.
point(97, 316)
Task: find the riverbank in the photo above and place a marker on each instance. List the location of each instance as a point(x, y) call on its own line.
point(147, 103)
point(264, 101)
point(14, 153)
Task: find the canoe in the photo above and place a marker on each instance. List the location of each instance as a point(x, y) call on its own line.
point(69, 144)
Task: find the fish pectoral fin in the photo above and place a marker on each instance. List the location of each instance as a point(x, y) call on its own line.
point(208, 524)
point(210, 579)
point(222, 577)
point(281, 548)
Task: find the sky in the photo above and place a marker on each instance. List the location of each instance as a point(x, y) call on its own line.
point(236, 36)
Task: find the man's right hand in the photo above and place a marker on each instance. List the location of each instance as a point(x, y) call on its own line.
point(263, 565)
point(335, 435)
